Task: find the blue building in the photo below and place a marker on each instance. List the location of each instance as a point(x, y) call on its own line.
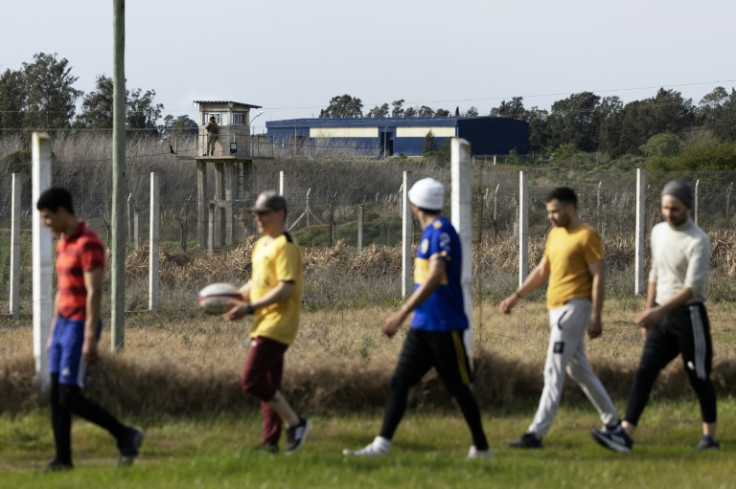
point(383, 137)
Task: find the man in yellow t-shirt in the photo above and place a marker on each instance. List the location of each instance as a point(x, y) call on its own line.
point(272, 295)
point(573, 261)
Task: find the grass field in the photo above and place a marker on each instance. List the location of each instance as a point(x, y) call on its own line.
point(178, 380)
point(429, 451)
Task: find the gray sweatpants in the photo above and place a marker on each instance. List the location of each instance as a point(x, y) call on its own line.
point(566, 353)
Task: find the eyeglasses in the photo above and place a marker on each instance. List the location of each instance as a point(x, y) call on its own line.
point(263, 213)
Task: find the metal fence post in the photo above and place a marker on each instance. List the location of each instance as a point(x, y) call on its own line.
point(728, 205)
point(360, 228)
point(495, 210)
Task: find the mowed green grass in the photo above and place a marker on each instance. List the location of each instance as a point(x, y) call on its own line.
point(429, 451)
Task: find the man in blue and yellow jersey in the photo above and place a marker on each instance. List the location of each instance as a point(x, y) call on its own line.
point(435, 338)
point(573, 261)
point(273, 295)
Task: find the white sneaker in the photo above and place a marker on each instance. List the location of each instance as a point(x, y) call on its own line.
point(379, 446)
point(474, 453)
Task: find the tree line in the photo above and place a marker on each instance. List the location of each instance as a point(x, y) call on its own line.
point(588, 122)
point(41, 96)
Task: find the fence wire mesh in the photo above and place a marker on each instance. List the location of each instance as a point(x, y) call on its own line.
point(327, 196)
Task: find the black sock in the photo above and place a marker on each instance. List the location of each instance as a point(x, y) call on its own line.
point(61, 423)
point(72, 397)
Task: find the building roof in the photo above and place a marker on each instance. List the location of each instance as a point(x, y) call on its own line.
point(366, 122)
point(449, 121)
point(229, 103)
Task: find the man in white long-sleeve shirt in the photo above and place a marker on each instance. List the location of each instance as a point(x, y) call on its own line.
point(675, 320)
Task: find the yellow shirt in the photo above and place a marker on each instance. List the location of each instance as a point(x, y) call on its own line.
point(569, 253)
point(276, 260)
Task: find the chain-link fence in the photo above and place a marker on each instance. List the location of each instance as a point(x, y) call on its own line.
point(340, 199)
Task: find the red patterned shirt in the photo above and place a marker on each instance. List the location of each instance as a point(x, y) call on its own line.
point(80, 252)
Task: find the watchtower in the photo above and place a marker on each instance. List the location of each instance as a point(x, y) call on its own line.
point(232, 163)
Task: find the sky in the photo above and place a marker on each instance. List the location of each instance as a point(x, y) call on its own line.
point(293, 56)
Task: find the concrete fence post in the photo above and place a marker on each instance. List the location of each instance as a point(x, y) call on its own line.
point(523, 227)
point(696, 199)
point(154, 232)
point(130, 214)
point(211, 232)
point(15, 225)
point(599, 224)
point(136, 229)
point(463, 223)
point(282, 192)
point(641, 199)
point(407, 280)
point(42, 260)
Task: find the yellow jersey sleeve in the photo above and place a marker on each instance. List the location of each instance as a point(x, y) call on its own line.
point(592, 249)
point(288, 264)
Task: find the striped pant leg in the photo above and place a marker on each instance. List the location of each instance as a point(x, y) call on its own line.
point(697, 355)
point(660, 348)
point(453, 366)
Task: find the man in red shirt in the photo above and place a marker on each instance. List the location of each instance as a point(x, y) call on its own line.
point(80, 265)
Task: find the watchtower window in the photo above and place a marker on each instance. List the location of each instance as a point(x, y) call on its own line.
point(238, 119)
point(219, 117)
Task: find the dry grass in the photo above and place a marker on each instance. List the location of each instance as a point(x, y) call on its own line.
point(182, 362)
point(340, 278)
point(189, 365)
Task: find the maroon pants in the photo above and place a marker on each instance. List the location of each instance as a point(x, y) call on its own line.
point(261, 378)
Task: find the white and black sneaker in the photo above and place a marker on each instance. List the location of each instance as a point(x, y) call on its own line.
point(616, 439)
point(379, 446)
point(474, 453)
point(296, 435)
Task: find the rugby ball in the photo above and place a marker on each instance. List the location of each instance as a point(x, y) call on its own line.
point(217, 298)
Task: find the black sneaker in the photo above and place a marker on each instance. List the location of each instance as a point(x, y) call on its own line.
point(616, 440)
point(128, 447)
point(265, 447)
point(708, 443)
point(296, 435)
point(56, 466)
point(527, 440)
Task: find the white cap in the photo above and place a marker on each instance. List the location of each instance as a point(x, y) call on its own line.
point(427, 193)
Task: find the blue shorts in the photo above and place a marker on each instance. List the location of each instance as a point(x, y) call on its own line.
point(65, 354)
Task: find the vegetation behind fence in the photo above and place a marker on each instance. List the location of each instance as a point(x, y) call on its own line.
point(327, 193)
